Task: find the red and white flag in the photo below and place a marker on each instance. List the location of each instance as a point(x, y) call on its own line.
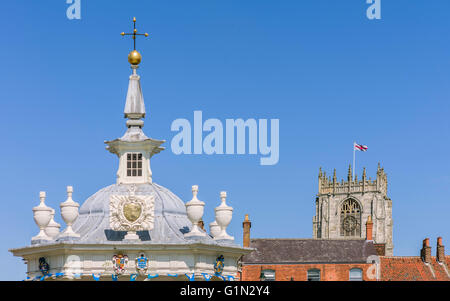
point(360, 147)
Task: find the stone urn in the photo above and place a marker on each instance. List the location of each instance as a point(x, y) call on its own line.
point(69, 213)
point(214, 229)
point(224, 213)
point(52, 229)
point(42, 216)
point(194, 210)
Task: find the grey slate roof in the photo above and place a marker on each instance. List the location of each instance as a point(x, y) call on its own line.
point(309, 251)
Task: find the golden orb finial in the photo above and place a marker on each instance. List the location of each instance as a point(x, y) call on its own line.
point(134, 57)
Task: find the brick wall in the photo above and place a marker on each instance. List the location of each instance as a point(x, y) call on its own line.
point(328, 272)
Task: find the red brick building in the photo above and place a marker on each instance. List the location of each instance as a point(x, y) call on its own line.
point(338, 260)
point(309, 260)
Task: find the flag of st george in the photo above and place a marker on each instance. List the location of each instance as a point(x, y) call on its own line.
point(360, 147)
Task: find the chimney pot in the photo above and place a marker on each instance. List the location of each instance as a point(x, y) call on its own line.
point(246, 225)
point(440, 251)
point(201, 224)
point(369, 228)
point(425, 253)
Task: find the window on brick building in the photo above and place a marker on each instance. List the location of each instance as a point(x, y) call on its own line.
point(314, 275)
point(355, 275)
point(267, 275)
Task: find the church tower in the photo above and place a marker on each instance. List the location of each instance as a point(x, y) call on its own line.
point(343, 207)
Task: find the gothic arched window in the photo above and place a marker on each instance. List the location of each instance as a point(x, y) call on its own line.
point(350, 218)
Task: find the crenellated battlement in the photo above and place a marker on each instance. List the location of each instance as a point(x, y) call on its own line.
point(330, 185)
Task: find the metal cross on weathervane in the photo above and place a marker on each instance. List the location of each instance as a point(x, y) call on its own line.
point(135, 33)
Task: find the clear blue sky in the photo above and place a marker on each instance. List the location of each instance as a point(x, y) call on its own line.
point(327, 72)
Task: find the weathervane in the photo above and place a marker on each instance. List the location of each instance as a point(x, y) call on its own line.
point(134, 57)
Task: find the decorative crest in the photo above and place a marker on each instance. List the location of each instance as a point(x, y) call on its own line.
point(218, 266)
point(141, 264)
point(120, 263)
point(43, 266)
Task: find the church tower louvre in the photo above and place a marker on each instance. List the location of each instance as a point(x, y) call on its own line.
point(342, 207)
point(133, 229)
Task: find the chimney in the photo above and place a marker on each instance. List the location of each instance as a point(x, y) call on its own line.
point(246, 225)
point(369, 228)
point(425, 253)
point(201, 224)
point(440, 253)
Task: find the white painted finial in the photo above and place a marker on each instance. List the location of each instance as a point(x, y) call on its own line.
point(224, 214)
point(214, 229)
point(194, 210)
point(52, 229)
point(69, 191)
point(69, 213)
point(195, 191)
point(42, 216)
point(223, 196)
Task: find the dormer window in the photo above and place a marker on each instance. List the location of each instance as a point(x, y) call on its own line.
point(134, 165)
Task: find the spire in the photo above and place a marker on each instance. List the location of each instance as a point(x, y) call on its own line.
point(349, 172)
point(134, 148)
point(134, 105)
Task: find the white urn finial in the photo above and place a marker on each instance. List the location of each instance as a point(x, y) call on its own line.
point(42, 216)
point(214, 229)
point(52, 229)
point(69, 213)
point(224, 213)
point(194, 210)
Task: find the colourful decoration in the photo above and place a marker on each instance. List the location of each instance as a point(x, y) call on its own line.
point(141, 264)
point(152, 276)
point(218, 266)
point(206, 276)
point(43, 266)
point(120, 263)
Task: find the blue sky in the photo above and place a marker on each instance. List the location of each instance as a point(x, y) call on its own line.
point(327, 72)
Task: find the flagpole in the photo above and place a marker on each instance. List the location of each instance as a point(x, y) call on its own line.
point(353, 175)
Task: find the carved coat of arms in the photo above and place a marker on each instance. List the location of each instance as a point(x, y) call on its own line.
point(120, 263)
point(218, 266)
point(141, 264)
point(131, 212)
point(43, 266)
